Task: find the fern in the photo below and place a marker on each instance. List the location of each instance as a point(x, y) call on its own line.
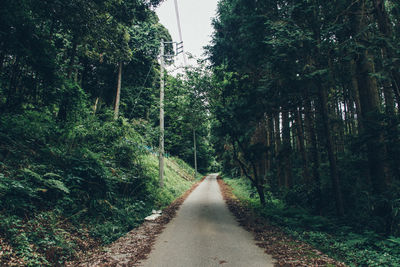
point(58, 185)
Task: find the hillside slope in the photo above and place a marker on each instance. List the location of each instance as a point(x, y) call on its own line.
point(68, 188)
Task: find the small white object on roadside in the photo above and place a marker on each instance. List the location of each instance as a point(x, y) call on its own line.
point(152, 217)
point(156, 211)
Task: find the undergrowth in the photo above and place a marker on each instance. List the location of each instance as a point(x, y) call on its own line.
point(67, 187)
point(355, 247)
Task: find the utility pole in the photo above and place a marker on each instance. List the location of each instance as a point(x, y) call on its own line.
point(195, 153)
point(178, 48)
point(161, 150)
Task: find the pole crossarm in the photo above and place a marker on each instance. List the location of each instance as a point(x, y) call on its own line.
point(177, 48)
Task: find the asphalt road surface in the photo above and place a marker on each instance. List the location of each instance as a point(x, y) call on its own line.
point(204, 233)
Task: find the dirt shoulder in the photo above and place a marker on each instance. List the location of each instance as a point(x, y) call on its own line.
point(284, 249)
point(135, 245)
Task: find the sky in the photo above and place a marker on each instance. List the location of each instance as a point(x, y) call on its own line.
point(196, 17)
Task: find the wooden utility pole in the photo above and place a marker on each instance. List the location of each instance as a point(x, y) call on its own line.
point(161, 150)
point(195, 153)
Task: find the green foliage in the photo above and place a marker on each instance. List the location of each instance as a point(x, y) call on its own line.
point(65, 163)
point(56, 178)
point(354, 246)
point(174, 186)
point(304, 101)
point(125, 215)
point(186, 110)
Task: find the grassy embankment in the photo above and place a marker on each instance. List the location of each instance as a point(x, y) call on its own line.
point(66, 188)
point(333, 237)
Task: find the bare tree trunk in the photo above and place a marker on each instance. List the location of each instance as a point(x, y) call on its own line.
point(386, 28)
point(260, 191)
point(63, 112)
point(2, 56)
point(312, 139)
point(350, 118)
point(72, 58)
point(278, 155)
point(118, 94)
point(323, 99)
point(260, 139)
point(356, 95)
point(340, 126)
point(96, 102)
point(195, 153)
point(287, 149)
point(12, 87)
point(270, 142)
point(315, 157)
point(370, 105)
point(300, 135)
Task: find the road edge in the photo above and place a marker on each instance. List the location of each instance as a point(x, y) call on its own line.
point(286, 250)
point(137, 244)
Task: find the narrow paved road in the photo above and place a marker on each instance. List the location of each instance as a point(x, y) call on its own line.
point(205, 233)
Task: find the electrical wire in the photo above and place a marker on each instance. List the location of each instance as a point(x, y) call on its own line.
point(141, 90)
point(178, 20)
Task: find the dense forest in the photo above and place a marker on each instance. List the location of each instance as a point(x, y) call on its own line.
point(308, 102)
point(306, 105)
point(298, 102)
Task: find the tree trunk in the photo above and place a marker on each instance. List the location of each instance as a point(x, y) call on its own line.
point(258, 183)
point(118, 94)
point(386, 28)
point(2, 56)
point(270, 142)
point(72, 58)
point(300, 136)
point(63, 112)
point(339, 127)
point(370, 104)
point(260, 191)
point(350, 118)
point(278, 155)
point(287, 149)
point(195, 153)
point(356, 95)
point(312, 139)
point(96, 102)
point(315, 157)
point(12, 87)
point(323, 101)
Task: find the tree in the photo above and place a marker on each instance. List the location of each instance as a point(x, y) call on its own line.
point(324, 71)
point(187, 114)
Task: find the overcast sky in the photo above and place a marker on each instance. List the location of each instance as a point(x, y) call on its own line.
point(196, 16)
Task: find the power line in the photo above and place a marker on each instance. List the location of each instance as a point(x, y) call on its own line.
point(141, 89)
point(178, 20)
